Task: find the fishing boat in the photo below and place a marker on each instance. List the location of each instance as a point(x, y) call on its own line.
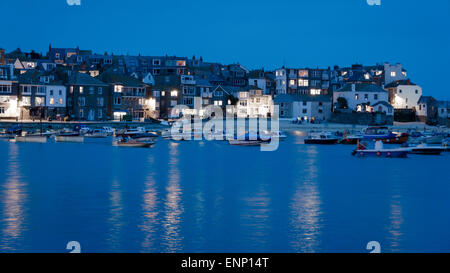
point(434, 138)
point(385, 135)
point(424, 149)
point(379, 151)
point(275, 134)
point(324, 138)
point(69, 136)
point(32, 139)
point(96, 133)
point(350, 139)
point(129, 142)
point(249, 140)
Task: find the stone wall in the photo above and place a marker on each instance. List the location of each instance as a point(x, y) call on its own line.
point(362, 118)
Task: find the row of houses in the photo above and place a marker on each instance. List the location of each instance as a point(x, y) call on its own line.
point(81, 85)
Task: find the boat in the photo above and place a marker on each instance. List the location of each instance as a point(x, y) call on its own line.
point(275, 134)
point(249, 140)
point(385, 135)
point(379, 151)
point(69, 136)
point(349, 139)
point(28, 138)
point(109, 130)
point(129, 142)
point(324, 138)
point(434, 138)
point(424, 149)
point(96, 133)
point(131, 132)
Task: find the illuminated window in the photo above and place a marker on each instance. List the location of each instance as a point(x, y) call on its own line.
point(52, 101)
point(303, 73)
point(393, 74)
point(315, 91)
point(61, 101)
point(292, 82)
point(302, 82)
point(356, 97)
point(174, 93)
point(81, 89)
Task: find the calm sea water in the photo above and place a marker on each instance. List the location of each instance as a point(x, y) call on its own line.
point(212, 197)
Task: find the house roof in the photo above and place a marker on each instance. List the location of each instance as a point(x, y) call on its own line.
point(399, 82)
point(84, 79)
point(426, 99)
point(361, 87)
point(114, 77)
point(292, 98)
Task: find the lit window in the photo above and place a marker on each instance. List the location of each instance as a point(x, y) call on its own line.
point(315, 91)
point(393, 74)
point(52, 101)
point(174, 93)
point(302, 82)
point(81, 89)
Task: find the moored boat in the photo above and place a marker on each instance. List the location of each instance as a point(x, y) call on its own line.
point(385, 135)
point(424, 149)
point(324, 138)
point(249, 140)
point(379, 151)
point(96, 133)
point(129, 142)
point(32, 139)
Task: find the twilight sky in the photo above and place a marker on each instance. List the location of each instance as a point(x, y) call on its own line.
point(255, 33)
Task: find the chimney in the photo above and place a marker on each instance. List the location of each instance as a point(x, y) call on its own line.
point(2, 56)
point(353, 87)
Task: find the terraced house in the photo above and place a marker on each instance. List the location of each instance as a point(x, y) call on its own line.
point(129, 97)
point(87, 98)
point(8, 93)
point(304, 81)
point(41, 95)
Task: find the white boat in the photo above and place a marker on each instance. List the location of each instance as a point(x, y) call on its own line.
point(109, 130)
point(96, 133)
point(275, 134)
point(424, 149)
point(67, 138)
point(33, 139)
point(324, 138)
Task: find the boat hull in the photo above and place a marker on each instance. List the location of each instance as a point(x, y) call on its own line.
point(133, 145)
point(245, 142)
point(76, 139)
point(427, 151)
point(386, 154)
point(350, 141)
point(321, 141)
point(32, 139)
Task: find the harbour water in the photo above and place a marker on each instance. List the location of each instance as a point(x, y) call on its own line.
point(213, 197)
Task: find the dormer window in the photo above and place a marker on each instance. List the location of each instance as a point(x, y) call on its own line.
point(156, 62)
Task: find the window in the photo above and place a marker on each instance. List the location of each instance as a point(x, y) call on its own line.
point(100, 113)
point(292, 82)
point(100, 91)
point(2, 110)
point(117, 101)
point(393, 74)
point(60, 92)
point(71, 89)
point(302, 82)
point(91, 90)
point(52, 101)
point(366, 96)
point(99, 101)
point(315, 91)
point(81, 89)
point(356, 96)
point(305, 103)
point(5, 88)
point(60, 101)
point(417, 91)
point(156, 62)
point(188, 101)
point(81, 101)
point(400, 91)
point(219, 103)
point(303, 73)
point(320, 111)
point(174, 93)
point(163, 93)
point(51, 92)
point(81, 113)
point(375, 96)
point(304, 111)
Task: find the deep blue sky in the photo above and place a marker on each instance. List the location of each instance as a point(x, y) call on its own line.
point(256, 33)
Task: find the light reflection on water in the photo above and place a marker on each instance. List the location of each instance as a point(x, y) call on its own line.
point(149, 210)
point(306, 206)
point(173, 208)
point(13, 199)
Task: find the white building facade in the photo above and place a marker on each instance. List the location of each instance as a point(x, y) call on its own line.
point(360, 96)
